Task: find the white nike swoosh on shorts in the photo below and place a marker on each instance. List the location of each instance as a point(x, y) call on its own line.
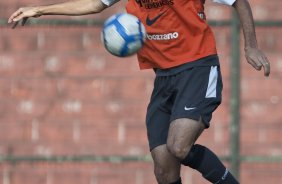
point(189, 109)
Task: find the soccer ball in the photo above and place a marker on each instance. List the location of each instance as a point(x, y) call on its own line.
point(123, 34)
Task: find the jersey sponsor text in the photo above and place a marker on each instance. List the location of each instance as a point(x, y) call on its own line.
point(168, 36)
point(149, 4)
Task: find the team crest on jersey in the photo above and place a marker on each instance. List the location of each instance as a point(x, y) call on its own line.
point(150, 4)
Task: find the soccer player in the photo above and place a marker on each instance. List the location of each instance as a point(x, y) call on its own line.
point(181, 49)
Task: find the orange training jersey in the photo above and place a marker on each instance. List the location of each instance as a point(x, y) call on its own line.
point(177, 32)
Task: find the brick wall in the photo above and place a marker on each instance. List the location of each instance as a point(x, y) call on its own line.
point(61, 93)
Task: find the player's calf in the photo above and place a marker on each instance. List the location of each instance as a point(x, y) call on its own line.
point(166, 166)
point(206, 162)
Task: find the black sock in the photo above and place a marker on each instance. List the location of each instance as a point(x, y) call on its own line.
point(177, 182)
point(207, 163)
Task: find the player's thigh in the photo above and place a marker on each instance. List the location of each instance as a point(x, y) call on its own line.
point(182, 135)
point(166, 166)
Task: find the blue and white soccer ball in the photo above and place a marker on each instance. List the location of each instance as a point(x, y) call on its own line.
point(123, 34)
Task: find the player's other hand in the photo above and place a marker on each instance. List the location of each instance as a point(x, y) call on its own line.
point(257, 59)
point(22, 14)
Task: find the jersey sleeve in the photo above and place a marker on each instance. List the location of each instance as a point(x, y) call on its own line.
point(227, 2)
point(109, 2)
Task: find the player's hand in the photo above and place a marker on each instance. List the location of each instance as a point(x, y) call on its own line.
point(257, 59)
point(23, 14)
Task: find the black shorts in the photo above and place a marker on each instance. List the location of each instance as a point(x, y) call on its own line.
point(193, 93)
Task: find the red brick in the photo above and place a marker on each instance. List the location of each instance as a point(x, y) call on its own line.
point(266, 10)
point(70, 176)
point(27, 176)
point(269, 43)
point(23, 40)
point(261, 112)
point(268, 90)
point(84, 173)
point(24, 109)
point(100, 64)
point(19, 134)
point(132, 89)
point(60, 40)
point(105, 89)
point(23, 66)
point(33, 89)
point(259, 173)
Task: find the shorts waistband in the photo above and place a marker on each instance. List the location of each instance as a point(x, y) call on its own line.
point(212, 60)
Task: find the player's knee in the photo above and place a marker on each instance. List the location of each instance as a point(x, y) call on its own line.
point(178, 151)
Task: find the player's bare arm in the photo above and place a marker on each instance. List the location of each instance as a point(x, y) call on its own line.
point(254, 55)
point(71, 8)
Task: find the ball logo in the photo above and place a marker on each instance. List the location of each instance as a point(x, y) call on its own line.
point(168, 36)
